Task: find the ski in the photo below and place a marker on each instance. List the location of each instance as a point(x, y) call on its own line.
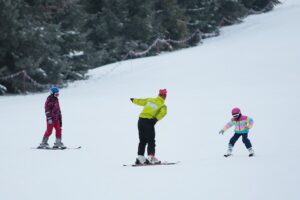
point(251, 155)
point(142, 165)
point(51, 148)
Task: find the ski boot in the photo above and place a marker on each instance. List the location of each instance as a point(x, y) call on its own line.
point(58, 144)
point(229, 151)
point(140, 160)
point(251, 152)
point(44, 144)
point(153, 160)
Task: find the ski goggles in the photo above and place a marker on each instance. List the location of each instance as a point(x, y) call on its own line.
point(236, 115)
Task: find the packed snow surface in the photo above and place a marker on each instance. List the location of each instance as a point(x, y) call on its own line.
point(254, 65)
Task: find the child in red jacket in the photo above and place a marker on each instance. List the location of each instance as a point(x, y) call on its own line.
point(54, 120)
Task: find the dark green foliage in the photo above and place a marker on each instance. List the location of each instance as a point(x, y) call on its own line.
point(259, 5)
point(170, 19)
point(47, 42)
point(138, 24)
point(40, 43)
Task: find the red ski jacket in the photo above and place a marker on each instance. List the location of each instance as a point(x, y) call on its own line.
point(52, 108)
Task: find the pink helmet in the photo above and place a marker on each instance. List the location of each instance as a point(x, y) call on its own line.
point(163, 92)
point(236, 111)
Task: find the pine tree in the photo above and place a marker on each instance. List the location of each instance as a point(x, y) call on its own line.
point(40, 36)
point(140, 14)
point(231, 11)
point(170, 21)
point(13, 37)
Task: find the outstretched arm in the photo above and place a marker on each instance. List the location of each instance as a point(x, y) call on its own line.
point(226, 127)
point(140, 102)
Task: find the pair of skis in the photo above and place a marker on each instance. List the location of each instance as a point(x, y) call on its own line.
point(51, 148)
point(148, 164)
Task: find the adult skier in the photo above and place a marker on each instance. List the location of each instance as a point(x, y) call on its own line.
point(54, 120)
point(242, 125)
point(154, 110)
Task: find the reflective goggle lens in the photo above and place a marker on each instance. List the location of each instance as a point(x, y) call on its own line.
point(236, 115)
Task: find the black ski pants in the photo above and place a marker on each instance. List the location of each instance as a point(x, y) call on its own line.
point(146, 136)
point(246, 140)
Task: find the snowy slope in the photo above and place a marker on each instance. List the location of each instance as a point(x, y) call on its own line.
point(253, 65)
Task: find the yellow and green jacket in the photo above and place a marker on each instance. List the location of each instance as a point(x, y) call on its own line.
point(153, 107)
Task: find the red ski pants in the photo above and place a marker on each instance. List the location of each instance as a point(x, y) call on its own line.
point(55, 124)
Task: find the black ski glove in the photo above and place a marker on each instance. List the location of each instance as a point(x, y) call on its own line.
point(131, 99)
point(60, 122)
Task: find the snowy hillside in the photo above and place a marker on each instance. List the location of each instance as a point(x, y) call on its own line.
point(254, 65)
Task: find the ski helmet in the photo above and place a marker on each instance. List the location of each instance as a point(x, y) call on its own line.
point(163, 92)
point(54, 90)
point(236, 113)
